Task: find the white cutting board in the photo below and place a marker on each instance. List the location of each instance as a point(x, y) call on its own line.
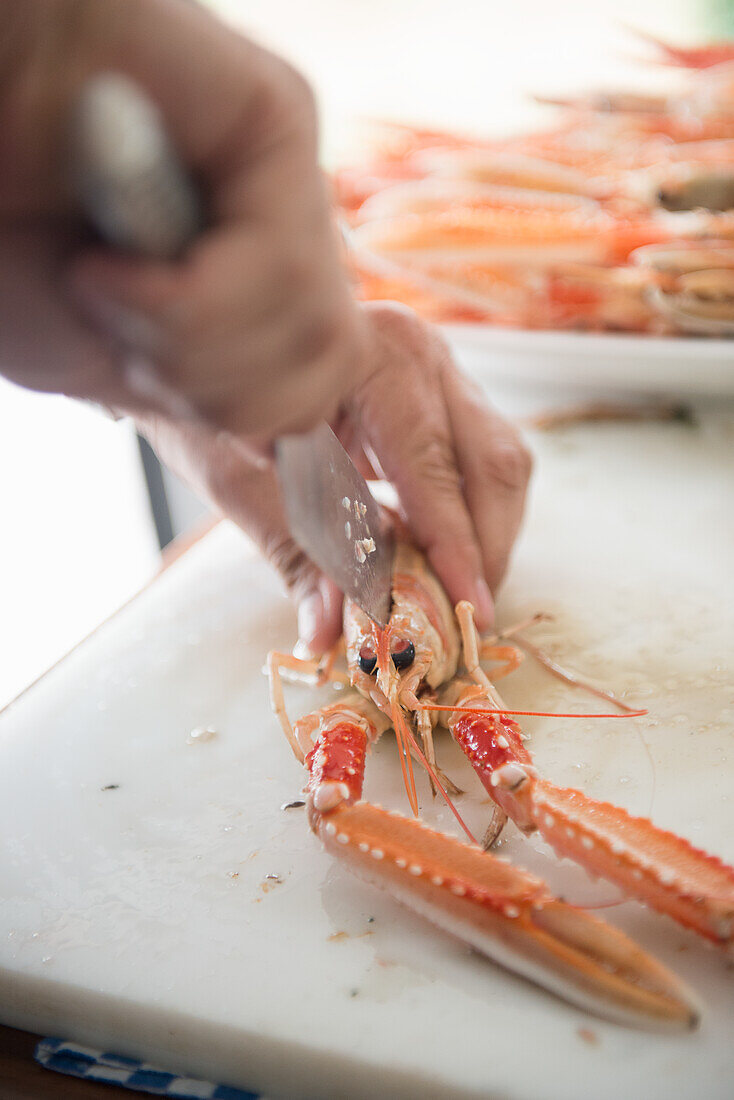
point(141, 918)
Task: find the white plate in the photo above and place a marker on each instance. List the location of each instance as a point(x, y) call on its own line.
point(610, 361)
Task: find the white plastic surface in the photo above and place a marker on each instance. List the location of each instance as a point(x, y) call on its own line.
point(142, 918)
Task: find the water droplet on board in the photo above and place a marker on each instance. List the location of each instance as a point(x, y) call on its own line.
point(201, 734)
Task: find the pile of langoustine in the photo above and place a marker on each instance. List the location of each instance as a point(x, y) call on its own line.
point(619, 218)
point(424, 667)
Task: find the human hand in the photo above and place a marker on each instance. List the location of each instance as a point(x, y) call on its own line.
point(254, 329)
point(459, 470)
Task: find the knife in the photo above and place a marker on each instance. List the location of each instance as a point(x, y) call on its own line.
point(335, 519)
point(136, 194)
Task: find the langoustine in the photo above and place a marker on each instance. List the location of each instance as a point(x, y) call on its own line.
point(544, 230)
point(405, 676)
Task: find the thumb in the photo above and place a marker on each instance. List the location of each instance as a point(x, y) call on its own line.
point(320, 617)
point(259, 511)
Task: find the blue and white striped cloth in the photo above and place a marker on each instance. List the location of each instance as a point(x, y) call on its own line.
point(129, 1073)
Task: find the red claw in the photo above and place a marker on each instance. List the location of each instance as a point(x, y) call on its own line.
point(650, 864)
point(506, 914)
point(338, 757)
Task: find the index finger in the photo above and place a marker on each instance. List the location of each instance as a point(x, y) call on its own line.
point(496, 467)
point(408, 435)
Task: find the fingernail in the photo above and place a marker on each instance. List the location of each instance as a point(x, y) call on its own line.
point(483, 605)
point(310, 615)
point(302, 651)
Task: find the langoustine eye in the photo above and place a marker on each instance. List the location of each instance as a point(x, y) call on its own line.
point(403, 654)
point(367, 660)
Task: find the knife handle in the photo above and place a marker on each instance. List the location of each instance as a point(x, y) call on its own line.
point(135, 192)
point(127, 174)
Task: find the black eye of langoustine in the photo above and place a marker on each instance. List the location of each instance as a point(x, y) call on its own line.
point(367, 661)
point(403, 655)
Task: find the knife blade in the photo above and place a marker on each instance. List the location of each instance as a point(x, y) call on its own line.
point(136, 193)
point(335, 519)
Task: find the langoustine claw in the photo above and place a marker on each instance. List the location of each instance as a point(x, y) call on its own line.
point(503, 912)
point(645, 862)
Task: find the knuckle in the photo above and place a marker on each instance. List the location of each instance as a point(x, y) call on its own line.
point(434, 462)
point(294, 85)
point(288, 560)
point(318, 336)
point(401, 327)
point(287, 96)
point(509, 463)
